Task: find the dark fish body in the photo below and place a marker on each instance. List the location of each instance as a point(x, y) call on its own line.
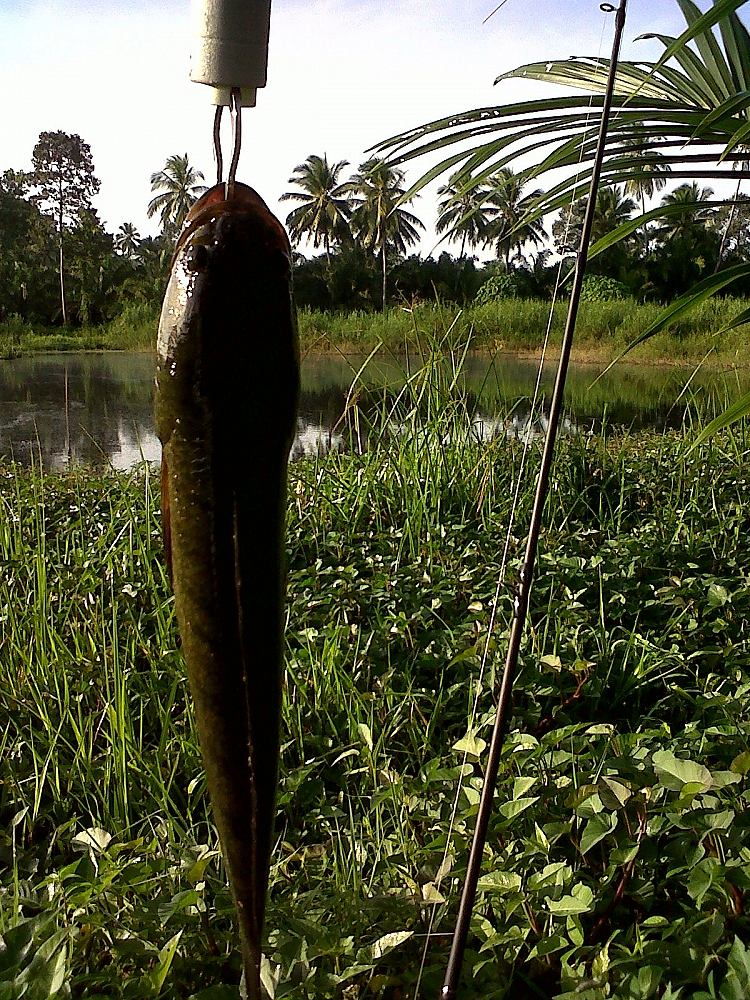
point(227, 386)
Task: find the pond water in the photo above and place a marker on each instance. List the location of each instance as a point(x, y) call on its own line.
point(96, 408)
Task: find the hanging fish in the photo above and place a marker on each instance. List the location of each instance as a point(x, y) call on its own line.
point(227, 387)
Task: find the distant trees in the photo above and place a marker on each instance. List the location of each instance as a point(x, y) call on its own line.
point(323, 217)
point(363, 213)
point(464, 214)
point(508, 229)
point(179, 187)
point(27, 251)
point(127, 240)
point(64, 181)
point(378, 220)
point(57, 262)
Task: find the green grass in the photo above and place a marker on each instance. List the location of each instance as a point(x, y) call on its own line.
point(618, 862)
point(604, 330)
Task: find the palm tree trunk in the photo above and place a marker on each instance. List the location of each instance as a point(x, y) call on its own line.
point(728, 226)
point(383, 260)
point(459, 272)
point(62, 284)
point(61, 260)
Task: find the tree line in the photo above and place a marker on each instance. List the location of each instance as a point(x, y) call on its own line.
point(59, 265)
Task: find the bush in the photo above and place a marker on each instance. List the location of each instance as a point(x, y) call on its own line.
point(134, 328)
point(499, 286)
point(599, 288)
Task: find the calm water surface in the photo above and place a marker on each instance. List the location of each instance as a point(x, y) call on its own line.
point(96, 409)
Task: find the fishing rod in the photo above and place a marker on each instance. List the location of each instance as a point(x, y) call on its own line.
point(449, 990)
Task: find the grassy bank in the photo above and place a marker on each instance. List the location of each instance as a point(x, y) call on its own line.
point(604, 330)
point(618, 862)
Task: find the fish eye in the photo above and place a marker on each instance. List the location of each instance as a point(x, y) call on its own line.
point(197, 258)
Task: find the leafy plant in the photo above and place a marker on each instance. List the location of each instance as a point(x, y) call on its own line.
point(499, 286)
point(599, 288)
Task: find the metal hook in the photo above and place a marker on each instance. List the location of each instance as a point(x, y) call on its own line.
point(235, 108)
point(217, 143)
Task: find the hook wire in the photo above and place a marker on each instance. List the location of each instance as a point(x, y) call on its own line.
point(217, 143)
point(235, 110)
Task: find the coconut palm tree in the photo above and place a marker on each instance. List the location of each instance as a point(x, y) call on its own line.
point(683, 106)
point(691, 215)
point(378, 220)
point(509, 229)
point(179, 185)
point(324, 212)
point(127, 240)
point(464, 213)
point(688, 104)
point(649, 170)
point(612, 209)
point(728, 218)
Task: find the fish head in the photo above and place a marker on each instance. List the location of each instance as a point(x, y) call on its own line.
point(227, 332)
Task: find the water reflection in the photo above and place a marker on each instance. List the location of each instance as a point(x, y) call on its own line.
point(96, 409)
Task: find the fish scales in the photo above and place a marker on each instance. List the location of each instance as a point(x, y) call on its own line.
point(227, 388)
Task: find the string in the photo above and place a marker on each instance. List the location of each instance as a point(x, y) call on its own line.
point(443, 868)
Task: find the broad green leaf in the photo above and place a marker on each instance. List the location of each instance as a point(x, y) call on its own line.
point(512, 809)
point(614, 794)
point(522, 785)
point(551, 875)
point(674, 772)
point(596, 829)
point(45, 975)
point(93, 839)
point(551, 661)
point(387, 943)
point(741, 763)
point(739, 962)
point(431, 893)
point(579, 901)
point(718, 596)
point(500, 882)
point(548, 945)
point(471, 744)
point(701, 878)
point(181, 901)
point(164, 962)
point(579, 796)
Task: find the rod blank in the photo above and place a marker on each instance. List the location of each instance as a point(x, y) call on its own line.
point(449, 990)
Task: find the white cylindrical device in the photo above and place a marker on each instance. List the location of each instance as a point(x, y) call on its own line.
point(230, 46)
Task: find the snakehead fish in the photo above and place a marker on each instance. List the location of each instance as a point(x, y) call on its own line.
point(227, 385)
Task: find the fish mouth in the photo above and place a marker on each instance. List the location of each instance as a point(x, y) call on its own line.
point(214, 204)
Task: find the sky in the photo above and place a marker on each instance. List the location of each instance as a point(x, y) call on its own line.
point(342, 75)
